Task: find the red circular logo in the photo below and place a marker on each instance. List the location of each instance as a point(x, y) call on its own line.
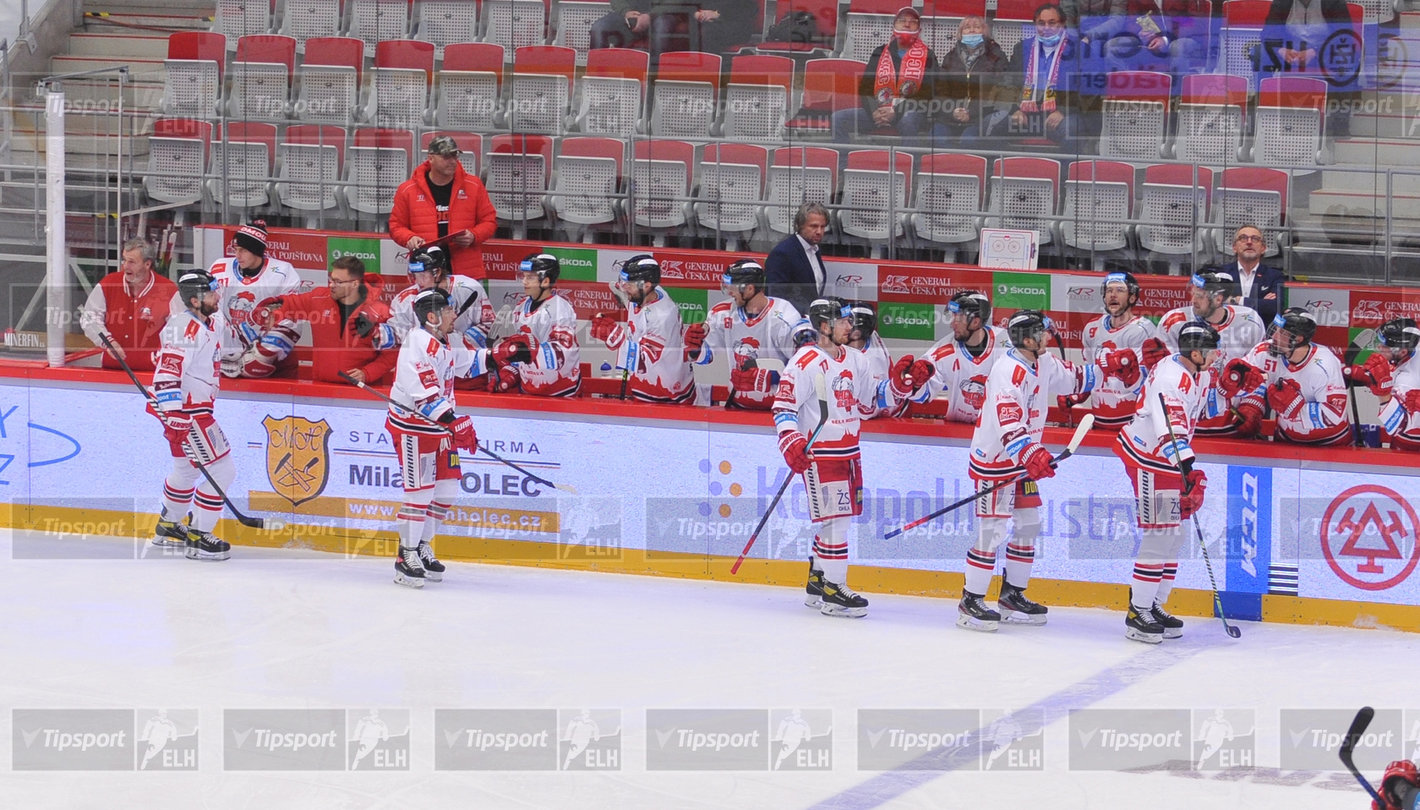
point(1373, 529)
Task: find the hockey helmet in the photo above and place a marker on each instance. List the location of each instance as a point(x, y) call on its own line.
point(744, 271)
point(827, 310)
point(1297, 322)
point(865, 318)
point(972, 304)
point(195, 284)
point(1198, 336)
point(545, 265)
point(1028, 324)
point(1127, 279)
point(1215, 281)
point(641, 268)
point(429, 302)
point(1400, 333)
point(429, 259)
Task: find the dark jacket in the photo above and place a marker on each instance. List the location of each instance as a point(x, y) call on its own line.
point(788, 275)
point(1065, 87)
point(1275, 35)
point(920, 100)
point(975, 89)
point(1267, 281)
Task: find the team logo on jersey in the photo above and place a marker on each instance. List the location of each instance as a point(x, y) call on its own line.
point(973, 392)
point(297, 456)
point(842, 386)
point(239, 310)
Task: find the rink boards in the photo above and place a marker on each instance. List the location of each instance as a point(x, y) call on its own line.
point(1292, 537)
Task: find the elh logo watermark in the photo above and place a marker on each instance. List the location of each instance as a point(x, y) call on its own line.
point(377, 739)
point(167, 739)
point(919, 739)
point(1013, 740)
point(801, 739)
point(283, 739)
point(1128, 739)
point(495, 739)
point(1224, 739)
point(1410, 745)
point(71, 739)
point(589, 739)
point(707, 739)
point(1310, 739)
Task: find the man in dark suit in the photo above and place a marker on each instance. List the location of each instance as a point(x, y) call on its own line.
point(794, 269)
point(1262, 285)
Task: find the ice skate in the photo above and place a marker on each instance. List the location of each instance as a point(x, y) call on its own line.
point(1017, 608)
point(206, 546)
point(973, 614)
point(1173, 626)
point(433, 569)
point(813, 589)
point(170, 533)
point(1142, 627)
point(408, 568)
point(840, 600)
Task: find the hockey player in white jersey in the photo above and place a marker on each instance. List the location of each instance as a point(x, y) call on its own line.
point(1005, 446)
point(1304, 386)
point(246, 278)
point(749, 328)
point(427, 433)
point(541, 356)
point(865, 338)
point(1120, 329)
point(186, 377)
point(962, 360)
point(1395, 379)
point(1168, 489)
point(429, 268)
point(1239, 330)
point(649, 345)
point(831, 467)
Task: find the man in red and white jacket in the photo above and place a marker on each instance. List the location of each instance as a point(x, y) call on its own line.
point(649, 346)
point(185, 383)
point(1394, 377)
point(830, 463)
point(1304, 386)
point(440, 201)
point(130, 307)
point(345, 318)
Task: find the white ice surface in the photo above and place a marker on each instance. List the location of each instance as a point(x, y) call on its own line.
point(283, 629)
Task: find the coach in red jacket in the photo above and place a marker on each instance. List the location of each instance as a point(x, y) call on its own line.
point(442, 199)
point(130, 308)
point(345, 319)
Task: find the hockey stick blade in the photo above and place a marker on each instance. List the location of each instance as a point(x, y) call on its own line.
point(1348, 747)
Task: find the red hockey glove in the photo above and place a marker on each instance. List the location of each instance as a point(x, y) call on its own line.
point(1411, 401)
point(1249, 419)
point(465, 437)
point(751, 378)
point(1154, 350)
point(1194, 483)
point(694, 339)
point(606, 329)
point(514, 349)
point(1122, 365)
point(1398, 774)
point(900, 377)
point(1285, 398)
point(1240, 376)
point(502, 379)
point(795, 447)
point(265, 311)
point(922, 371)
point(1036, 460)
point(1375, 375)
point(175, 430)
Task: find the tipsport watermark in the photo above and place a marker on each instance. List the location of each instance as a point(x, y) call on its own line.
point(919, 739)
point(1310, 739)
point(1129, 739)
point(377, 739)
point(104, 739)
point(707, 739)
point(589, 739)
point(495, 740)
point(283, 740)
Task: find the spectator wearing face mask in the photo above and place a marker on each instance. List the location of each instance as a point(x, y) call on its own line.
point(896, 89)
point(969, 86)
point(1041, 70)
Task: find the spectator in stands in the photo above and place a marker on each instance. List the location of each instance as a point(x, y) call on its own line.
point(969, 85)
point(794, 269)
point(1262, 285)
point(344, 318)
point(1162, 35)
point(897, 88)
point(1291, 44)
point(444, 203)
point(628, 25)
point(1042, 70)
point(130, 307)
point(712, 26)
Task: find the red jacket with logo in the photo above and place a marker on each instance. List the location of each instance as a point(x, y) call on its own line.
point(135, 321)
point(338, 349)
point(414, 214)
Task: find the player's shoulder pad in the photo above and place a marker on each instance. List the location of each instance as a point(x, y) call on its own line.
point(1173, 317)
point(721, 309)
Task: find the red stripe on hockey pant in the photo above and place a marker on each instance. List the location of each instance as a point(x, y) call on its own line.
point(1016, 553)
point(1148, 573)
point(183, 495)
point(1170, 570)
point(438, 511)
point(211, 503)
point(977, 560)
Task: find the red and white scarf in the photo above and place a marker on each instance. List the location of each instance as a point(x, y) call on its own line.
point(1032, 72)
point(900, 83)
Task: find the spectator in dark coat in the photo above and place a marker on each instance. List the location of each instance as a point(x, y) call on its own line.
point(896, 90)
point(969, 85)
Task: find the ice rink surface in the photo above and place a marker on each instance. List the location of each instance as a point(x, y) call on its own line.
point(280, 629)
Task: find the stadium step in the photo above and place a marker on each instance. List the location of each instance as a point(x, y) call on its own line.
point(138, 69)
point(178, 17)
point(1376, 152)
point(138, 45)
point(1404, 204)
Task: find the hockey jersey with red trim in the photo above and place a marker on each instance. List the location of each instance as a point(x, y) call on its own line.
point(1322, 418)
point(852, 396)
point(768, 335)
point(1112, 401)
point(960, 379)
point(424, 379)
point(187, 370)
point(238, 296)
point(1402, 427)
point(466, 296)
point(1018, 396)
point(1145, 440)
point(654, 351)
point(1239, 331)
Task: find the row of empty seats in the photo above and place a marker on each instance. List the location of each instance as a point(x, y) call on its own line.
point(579, 184)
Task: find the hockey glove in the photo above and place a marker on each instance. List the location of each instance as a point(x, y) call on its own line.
point(1400, 778)
point(363, 325)
point(922, 371)
point(1154, 350)
point(795, 447)
point(1249, 419)
point(1375, 375)
point(803, 334)
point(502, 379)
point(606, 329)
point(900, 379)
point(1194, 483)
point(175, 429)
point(1286, 399)
point(750, 378)
point(465, 437)
point(694, 340)
point(1411, 400)
point(1240, 376)
point(514, 349)
point(1036, 459)
point(265, 311)
point(1122, 365)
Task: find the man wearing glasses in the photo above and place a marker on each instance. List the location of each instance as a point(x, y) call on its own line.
point(442, 201)
point(1261, 284)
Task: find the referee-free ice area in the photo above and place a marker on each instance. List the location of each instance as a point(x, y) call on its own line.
point(286, 678)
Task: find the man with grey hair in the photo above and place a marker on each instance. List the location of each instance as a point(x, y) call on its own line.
point(129, 308)
point(794, 270)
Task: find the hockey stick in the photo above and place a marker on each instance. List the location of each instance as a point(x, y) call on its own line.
point(1348, 746)
point(272, 524)
point(567, 488)
point(820, 388)
point(1086, 422)
point(1229, 628)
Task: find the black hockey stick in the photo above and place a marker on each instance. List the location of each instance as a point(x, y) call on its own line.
point(568, 488)
point(1348, 747)
point(1349, 360)
point(820, 387)
point(1230, 629)
point(1086, 422)
point(273, 524)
